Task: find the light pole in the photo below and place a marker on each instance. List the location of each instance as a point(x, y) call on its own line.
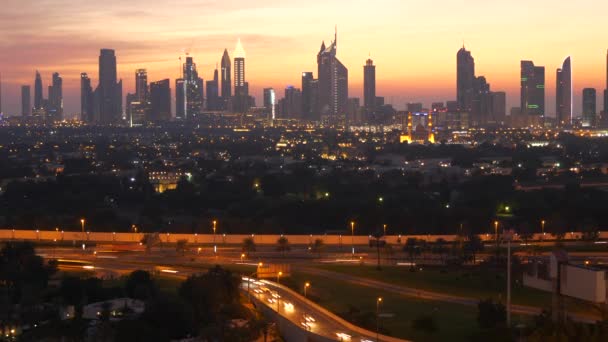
point(214, 229)
point(384, 226)
point(242, 256)
point(279, 277)
point(352, 237)
point(542, 229)
point(306, 286)
point(82, 227)
point(496, 232)
point(378, 301)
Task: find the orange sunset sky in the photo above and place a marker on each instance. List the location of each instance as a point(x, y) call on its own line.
point(413, 42)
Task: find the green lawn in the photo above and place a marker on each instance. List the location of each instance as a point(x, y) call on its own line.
point(358, 305)
point(467, 282)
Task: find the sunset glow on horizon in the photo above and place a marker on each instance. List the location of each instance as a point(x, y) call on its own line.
point(413, 43)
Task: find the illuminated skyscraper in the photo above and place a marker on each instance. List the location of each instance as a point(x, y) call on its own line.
point(141, 84)
point(532, 91)
point(189, 100)
point(465, 79)
point(108, 95)
point(563, 94)
point(87, 99)
point(333, 84)
point(589, 107)
point(138, 104)
point(606, 90)
point(293, 103)
point(241, 100)
point(270, 102)
point(26, 109)
point(308, 106)
point(369, 88)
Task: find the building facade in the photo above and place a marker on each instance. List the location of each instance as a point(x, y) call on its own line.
point(563, 94)
point(333, 84)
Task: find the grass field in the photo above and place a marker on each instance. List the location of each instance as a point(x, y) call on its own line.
point(467, 282)
point(357, 304)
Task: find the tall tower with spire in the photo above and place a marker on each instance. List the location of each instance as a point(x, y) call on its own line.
point(241, 86)
point(333, 84)
point(226, 78)
point(563, 94)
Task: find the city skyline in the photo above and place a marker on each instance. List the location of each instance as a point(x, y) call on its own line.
point(426, 75)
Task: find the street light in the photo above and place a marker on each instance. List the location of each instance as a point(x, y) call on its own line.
point(306, 286)
point(279, 277)
point(542, 228)
point(242, 256)
point(214, 229)
point(384, 226)
point(378, 301)
point(82, 224)
point(496, 231)
point(352, 237)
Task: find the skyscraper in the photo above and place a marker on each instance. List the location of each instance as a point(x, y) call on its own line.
point(498, 107)
point(589, 107)
point(465, 79)
point(226, 77)
point(108, 94)
point(138, 104)
point(293, 103)
point(87, 99)
point(55, 103)
point(26, 109)
point(160, 101)
point(213, 97)
point(333, 84)
point(606, 89)
point(141, 84)
point(1, 93)
point(241, 99)
point(270, 102)
point(190, 98)
point(307, 96)
point(38, 96)
point(532, 92)
point(369, 88)
point(563, 94)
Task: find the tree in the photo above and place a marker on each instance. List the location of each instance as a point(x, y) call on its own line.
point(248, 245)
point(150, 240)
point(181, 246)
point(491, 315)
point(412, 248)
point(472, 246)
point(283, 245)
point(140, 285)
point(317, 246)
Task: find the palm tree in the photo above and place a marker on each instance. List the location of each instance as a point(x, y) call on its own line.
point(182, 246)
point(412, 248)
point(150, 240)
point(318, 246)
point(248, 245)
point(283, 245)
point(440, 248)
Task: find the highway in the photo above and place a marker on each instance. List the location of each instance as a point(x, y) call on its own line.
point(306, 314)
point(300, 311)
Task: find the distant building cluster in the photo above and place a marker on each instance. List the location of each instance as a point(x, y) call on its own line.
point(323, 100)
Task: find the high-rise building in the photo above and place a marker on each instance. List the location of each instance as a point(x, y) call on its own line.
point(369, 88)
point(465, 79)
point(55, 103)
point(563, 94)
point(1, 94)
point(333, 84)
point(38, 96)
point(214, 102)
point(108, 95)
point(141, 84)
point(307, 96)
point(498, 108)
point(293, 103)
point(270, 102)
point(589, 107)
point(414, 107)
point(532, 91)
point(241, 100)
point(606, 89)
point(87, 99)
point(160, 100)
point(191, 96)
point(26, 109)
point(226, 77)
point(138, 104)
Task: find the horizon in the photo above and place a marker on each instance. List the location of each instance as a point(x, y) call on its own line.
point(71, 36)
